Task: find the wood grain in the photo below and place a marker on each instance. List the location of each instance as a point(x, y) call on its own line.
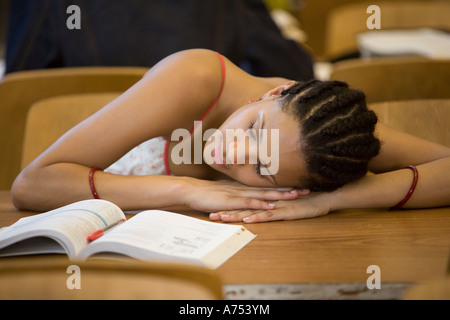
point(408, 246)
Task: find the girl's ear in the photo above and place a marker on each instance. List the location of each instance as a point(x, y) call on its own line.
point(277, 91)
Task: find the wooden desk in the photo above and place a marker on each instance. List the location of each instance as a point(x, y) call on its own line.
point(327, 257)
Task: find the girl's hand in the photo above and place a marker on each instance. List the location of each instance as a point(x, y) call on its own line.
point(220, 196)
point(307, 206)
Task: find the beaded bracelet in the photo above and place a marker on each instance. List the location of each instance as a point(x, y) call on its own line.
point(411, 190)
point(91, 182)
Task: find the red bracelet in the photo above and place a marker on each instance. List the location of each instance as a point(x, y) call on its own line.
point(411, 190)
point(91, 182)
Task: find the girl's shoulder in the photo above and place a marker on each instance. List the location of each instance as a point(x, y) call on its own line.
point(195, 62)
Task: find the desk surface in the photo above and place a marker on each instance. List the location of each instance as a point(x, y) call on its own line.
point(409, 246)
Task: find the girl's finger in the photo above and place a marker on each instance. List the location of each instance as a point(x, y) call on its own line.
point(282, 213)
point(264, 217)
point(273, 195)
point(234, 216)
point(216, 216)
point(241, 203)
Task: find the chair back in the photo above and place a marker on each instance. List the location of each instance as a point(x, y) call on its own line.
point(427, 119)
point(346, 21)
point(396, 78)
point(18, 91)
point(57, 278)
point(49, 119)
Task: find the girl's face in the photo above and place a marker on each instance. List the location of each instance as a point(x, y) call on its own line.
point(258, 145)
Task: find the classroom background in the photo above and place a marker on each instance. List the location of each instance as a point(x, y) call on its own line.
point(56, 70)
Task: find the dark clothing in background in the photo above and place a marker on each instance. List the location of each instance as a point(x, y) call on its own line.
point(142, 32)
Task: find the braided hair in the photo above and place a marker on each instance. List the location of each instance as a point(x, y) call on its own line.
point(337, 132)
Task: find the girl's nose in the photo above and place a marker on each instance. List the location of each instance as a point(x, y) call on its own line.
point(241, 152)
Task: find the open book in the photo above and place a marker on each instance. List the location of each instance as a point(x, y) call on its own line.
point(93, 227)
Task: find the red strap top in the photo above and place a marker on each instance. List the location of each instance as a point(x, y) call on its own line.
point(166, 149)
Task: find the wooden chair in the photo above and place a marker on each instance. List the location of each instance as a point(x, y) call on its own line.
point(18, 91)
point(427, 119)
point(47, 278)
point(396, 78)
point(431, 290)
point(49, 119)
point(346, 21)
point(313, 15)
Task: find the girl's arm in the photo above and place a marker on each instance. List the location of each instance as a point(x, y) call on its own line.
point(384, 189)
point(171, 95)
point(390, 185)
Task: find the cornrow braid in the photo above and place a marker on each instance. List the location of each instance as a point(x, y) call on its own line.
point(337, 132)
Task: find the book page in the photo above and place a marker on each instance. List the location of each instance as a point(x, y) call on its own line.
point(164, 235)
point(69, 226)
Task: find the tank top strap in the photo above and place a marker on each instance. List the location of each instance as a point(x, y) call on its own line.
point(166, 151)
point(222, 63)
